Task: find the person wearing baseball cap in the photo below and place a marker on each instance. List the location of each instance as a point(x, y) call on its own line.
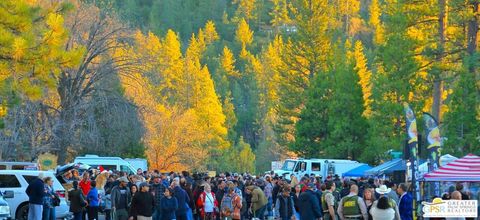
point(143, 203)
point(121, 198)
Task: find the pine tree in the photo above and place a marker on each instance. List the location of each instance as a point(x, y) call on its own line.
point(327, 127)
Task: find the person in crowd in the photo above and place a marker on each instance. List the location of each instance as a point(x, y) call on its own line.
point(121, 199)
point(269, 194)
point(238, 191)
point(48, 200)
point(405, 205)
point(77, 201)
point(328, 201)
point(456, 195)
point(158, 191)
point(187, 186)
point(459, 188)
point(393, 192)
point(384, 191)
point(220, 191)
point(85, 186)
point(369, 198)
point(295, 195)
point(352, 206)
point(293, 180)
point(36, 192)
point(259, 201)
point(108, 201)
point(93, 202)
point(182, 199)
point(143, 204)
point(277, 189)
point(345, 188)
point(133, 190)
point(284, 205)
point(309, 205)
point(382, 210)
point(207, 203)
point(231, 203)
point(169, 205)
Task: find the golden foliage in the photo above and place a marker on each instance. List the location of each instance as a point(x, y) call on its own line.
point(365, 77)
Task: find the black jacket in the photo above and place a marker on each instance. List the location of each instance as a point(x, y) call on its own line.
point(142, 204)
point(36, 192)
point(75, 197)
point(309, 206)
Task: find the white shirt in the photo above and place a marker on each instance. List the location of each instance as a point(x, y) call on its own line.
point(382, 214)
point(208, 206)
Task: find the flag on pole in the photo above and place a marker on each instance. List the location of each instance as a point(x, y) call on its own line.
point(412, 136)
point(434, 146)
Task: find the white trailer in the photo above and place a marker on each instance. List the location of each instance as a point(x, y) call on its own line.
point(319, 167)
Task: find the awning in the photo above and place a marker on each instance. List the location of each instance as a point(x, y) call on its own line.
point(358, 171)
point(386, 168)
point(465, 169)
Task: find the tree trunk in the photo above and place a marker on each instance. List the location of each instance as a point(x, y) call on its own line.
point(438, 81)
point(472, 33)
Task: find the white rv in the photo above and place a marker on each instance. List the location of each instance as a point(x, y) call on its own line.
point(108, 163)
point(319, 167)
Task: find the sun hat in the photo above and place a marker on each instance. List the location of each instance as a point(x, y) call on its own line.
point(383, 189)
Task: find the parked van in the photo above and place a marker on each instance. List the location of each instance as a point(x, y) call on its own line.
point(108, 163)
point(18, 166)
point(138, 163)
point(319, 167)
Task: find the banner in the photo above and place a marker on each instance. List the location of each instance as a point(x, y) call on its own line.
point(412, 137)
point(434, 141)
point(434, 145)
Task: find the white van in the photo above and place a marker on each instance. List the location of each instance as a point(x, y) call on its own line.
point(319, 167)
point(108, 163)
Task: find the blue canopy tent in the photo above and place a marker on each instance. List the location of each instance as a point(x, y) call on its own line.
point(358, 171)
point(386, 168)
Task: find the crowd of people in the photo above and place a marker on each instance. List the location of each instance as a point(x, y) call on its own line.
point(181, 196)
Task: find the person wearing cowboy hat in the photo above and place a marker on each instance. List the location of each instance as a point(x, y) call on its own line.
point(383, 191)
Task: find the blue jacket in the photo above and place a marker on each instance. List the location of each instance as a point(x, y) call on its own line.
point(36, 192)
point(309, 206)
point(92, 197)
point(169, 206)
point(405, 207)
point(182, 199)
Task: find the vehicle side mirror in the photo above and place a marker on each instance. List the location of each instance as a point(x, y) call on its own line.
point(8, 194)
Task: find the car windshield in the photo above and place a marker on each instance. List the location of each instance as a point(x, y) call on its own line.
point(289, 165)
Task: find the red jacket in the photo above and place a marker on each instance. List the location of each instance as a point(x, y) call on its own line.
point(201, 203)
point(85, 186)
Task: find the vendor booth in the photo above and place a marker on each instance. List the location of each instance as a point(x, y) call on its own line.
point(358, 171)
point(465, 169)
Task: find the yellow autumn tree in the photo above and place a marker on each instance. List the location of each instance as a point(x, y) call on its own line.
point(244, 36)
point(365, 77)
point(376, 23)
point(227, 61)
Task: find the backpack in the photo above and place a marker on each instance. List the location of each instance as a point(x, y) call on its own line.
point(227, 207)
